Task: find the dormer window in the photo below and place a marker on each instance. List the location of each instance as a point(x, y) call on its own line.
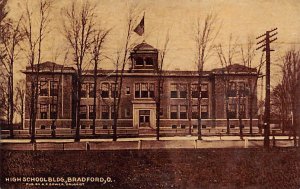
point(149, 62)
point(139, 61)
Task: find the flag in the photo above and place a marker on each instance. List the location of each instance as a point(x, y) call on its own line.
point(140, 28)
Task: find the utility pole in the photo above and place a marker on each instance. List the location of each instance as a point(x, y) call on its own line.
point(266, 47)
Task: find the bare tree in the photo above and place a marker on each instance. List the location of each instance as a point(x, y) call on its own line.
point(160, 82)
point(79, 23)
point(3, 11)
point(11, 36)
point(20, 99)
point(3, 97)
point(121, 61)
point(247, 55)
point(279, 106)
point(290, 83)
point(226, 60)
point(34, 51)
point(97, 48)
point(204, 37)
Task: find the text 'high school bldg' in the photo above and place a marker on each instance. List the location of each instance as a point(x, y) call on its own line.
point(137, 113)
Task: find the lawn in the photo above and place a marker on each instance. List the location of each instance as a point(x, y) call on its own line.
point(186, 168)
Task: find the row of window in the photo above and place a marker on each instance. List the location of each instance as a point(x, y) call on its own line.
point(180, 112)
point(46, 91)
point(233, 110)
point(44, 111)
point(139, 61)
point(235, 88)
point(181, 126)
point(142, 90)
point(107, 112)
point(181, 91)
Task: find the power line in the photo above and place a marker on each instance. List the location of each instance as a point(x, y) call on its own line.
point(265, 45)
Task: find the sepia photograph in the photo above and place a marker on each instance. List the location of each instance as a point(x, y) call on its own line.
point(191, 94)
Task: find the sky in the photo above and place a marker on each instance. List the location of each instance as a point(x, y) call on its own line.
point(239, 18)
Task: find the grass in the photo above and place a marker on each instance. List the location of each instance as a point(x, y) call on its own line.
point(193, 168)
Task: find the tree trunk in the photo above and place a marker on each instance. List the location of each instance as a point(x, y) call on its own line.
point(94, 100)
point(158, 101)
point(251, 113)
point(78, 94)
point(11, 101)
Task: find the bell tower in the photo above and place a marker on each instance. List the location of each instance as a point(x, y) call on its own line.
point(144, 57)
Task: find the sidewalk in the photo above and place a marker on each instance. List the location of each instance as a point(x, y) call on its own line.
point(192, 138)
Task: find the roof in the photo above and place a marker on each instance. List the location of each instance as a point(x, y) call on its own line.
point(144, 47)
point(235, 68)
point(49, 66)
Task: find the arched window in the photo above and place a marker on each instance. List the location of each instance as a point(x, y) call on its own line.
point(139, 61)
point(149, 61)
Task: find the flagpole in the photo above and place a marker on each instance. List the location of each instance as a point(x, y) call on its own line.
point(144, 27)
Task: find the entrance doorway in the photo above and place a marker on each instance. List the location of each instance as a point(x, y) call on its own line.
point(144, 118)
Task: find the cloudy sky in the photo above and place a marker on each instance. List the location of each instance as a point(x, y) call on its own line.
point(241, 18)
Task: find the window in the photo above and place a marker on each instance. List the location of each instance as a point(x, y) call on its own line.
point(144, 90)
point(149, 61)
point(195, 126)
point(53, 88)
point(82, 126)
point(104, 90)
point(84, 87)
point(161, 112)
point(91, 112)
point(83, 111)
point(232, 126)
point(183, 90)
point(204, 90)
point(232, 89)
point(178, 90)
point(174, 126)
point(241, 88)
point(183, 112)
point(174, 91)
point(127, 112)
point(194, 88)
point(105, 126)
point(174, 110)
point(242, 110)
point(53, 111)
point(182, 126)
point(112, 112)
point(232, 110)
point(204, 126)
point(128, 90)
point(151, 90)
point(105, 112)
point(91, 90)
point(139, 61)
point(43, 88)
point(195, 112)
point(137, 91)
point(204, 111)
point(91, 127)
point(44, 111)
point(43, 127)
point(114, 90)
